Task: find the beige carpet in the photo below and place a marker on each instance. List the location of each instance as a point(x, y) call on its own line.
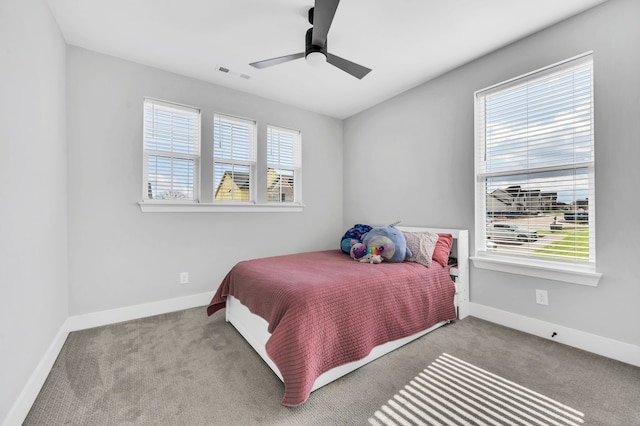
point(185, 368)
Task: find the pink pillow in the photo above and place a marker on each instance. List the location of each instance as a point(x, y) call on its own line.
point(443, 248)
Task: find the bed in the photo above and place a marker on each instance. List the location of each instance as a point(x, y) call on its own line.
point(349, 313)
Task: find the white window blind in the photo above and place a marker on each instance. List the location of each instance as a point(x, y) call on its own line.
point(234, 159)
point(284, 165)
point(171, 151)
point(535, 195)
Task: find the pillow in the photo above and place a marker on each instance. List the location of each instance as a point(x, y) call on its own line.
point(422, 245)
point(443, 248)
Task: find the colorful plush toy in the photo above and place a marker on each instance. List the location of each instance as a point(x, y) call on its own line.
point(380, 248)
point(372, 256)
point(366, 244)
point(353, 236)
point(372, 253)
point(391, 241)
point(358, 251)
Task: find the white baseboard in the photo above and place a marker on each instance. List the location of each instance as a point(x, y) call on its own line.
point(604, 346)
point(127, 313)
point(29, 393)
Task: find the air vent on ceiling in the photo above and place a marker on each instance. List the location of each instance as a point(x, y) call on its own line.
point(228, 71)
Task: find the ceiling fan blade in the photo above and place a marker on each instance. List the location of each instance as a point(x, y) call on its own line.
point(323, 13)
point(358, 71)
point(275, 61)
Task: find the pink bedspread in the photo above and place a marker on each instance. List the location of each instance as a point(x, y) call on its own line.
point(325, 309)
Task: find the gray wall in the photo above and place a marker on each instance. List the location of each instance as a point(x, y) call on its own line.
point(33, 194)
point(120, 256)
point(411, 158)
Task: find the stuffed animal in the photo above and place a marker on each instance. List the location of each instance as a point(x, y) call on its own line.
point(379, 249)
point(353, 236)
point(382, 245)
point(372, 256)
point(394, 244)
point(358, 250)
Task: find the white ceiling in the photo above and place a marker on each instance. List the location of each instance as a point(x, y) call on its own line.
point(405, 42)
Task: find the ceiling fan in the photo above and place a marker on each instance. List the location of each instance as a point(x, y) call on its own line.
point(315, 52)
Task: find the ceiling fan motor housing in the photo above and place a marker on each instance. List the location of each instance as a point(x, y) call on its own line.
point(310, 47)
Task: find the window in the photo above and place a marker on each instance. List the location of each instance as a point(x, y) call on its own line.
point(171, 151)
point(232, 179)
point(234, 159)
point(283, 165)
point(534, 147)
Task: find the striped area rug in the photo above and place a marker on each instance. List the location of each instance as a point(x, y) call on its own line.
point(453, 392)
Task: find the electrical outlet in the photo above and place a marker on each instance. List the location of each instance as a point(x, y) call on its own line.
point(184, 278)
point(542, 297)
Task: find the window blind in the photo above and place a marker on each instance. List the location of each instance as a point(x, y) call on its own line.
point(535, 191)
point(171, 151)
point(283, 165)
point(234, 158)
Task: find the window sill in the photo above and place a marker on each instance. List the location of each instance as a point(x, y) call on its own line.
point(161, 207)
point(542, 269)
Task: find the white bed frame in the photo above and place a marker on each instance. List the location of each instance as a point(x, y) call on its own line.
point(254, 328)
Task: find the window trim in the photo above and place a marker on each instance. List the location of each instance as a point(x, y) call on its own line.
point(538, 268)
point(565, 271)
point(153, 206)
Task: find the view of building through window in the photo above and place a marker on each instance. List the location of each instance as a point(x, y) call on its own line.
point(234, 158)
point(283, 162)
